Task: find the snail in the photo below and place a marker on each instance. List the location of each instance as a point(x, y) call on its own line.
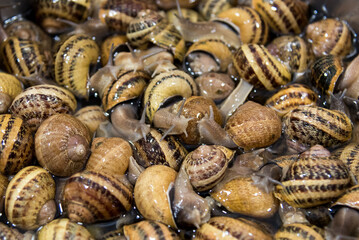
point(10, 87)
point(350, 80)
point(106, 45)
point(31, 188)
point(168, 4)
point(187, 13)
point(349, 156)
point(210, 9)
point(10, 233)
point(62, 145)
point(17, 143)
point(147, 229)
point(92, 116)
point(3, 185)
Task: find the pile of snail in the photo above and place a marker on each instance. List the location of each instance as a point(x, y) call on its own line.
point(187, 119)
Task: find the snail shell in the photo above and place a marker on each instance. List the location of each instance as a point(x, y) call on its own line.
point(350, 156)
point(299, 231)
point(106, 44)
point(91, 116)
point(148, 229)
point(311, 125)
point(254, 126)
point(29, 200)
point(217, 227)
point(63, 228)
point(110, 155)
point(211, 8)
point(283, 16)
point(290, 97)
point(72, 63)
point(10, 233)
point(313, 180)
point(206, 165)
point(329, 36)
point(168, 4)
point(90, 197)
point(349, 198)
point(153, 150)
point(17, 142)
point(151, 193)
point(258, 66)
point(62, 144)
point(350, 79)
point(255, 202)
point(252, 27)
point(293, 51)
point(187, 13)
point(325, 73)
point(37, 103)
point(3, 185)
point(10, 87)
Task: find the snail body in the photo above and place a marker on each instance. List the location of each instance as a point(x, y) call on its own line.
point(349, 198)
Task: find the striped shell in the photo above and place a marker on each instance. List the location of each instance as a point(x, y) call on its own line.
point(206, 165)
point(106, 44)
point(90, 197)
point(211, 8)
point(110, 155)
point(325, 73)
point(312, 181)
point(290, 97)
point(349, 198)
point(3, 185)
point(91, 116)
point(10, 87)
point(9, 233)
point(257, 66)
point(168, 4)
point(252, 27)
point(187, 13)
point(301, 231)
point(73, 61)
point(231, 228)
point(154, 151)
point(349, 155)
point(37, 103)
point(329, 36)
point(17, 144)
point(151, 194)
point(29, 200)
point(283, 16)
point(311, 125)
point(63, 228)
point(148, 229)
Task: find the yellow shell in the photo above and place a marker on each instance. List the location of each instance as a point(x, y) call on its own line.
point(151, 193)
point(299, 231)
point(350, 156)
point(3, 185)
point(148, 229)
point(106, 44)
point(91, 116)
point(187, 13)
point(211, 8)
point(349, 198)
point(10, 87)
point(9, 233)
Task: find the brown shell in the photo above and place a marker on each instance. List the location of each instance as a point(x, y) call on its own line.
point(110, 155)
point(91, 116)
point(10, 87)
point(62, 145)
point(168, 4)
point(148, 229)
point(3, 185)
point(349, 198)
point(106, 44)
point(31, 190)
point(240, 195)
point(299, 231)
point(258, 66)
point(154, 151)
point(329, 36)
point(63, 228)
point(37, 103)
point(254, 126)
point(90, 197)
point(151, 193)
point(350, 156)
point(17, 143)
point(239, 228)
point(211, 8)
point(9, 233)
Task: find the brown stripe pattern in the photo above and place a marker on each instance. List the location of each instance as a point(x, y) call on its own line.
point(148, 229)
point(211, 8)
point(299, 231)
point(350, 198)
point(91, 116)
point(350, 156)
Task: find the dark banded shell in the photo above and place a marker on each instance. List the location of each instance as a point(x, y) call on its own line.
point(302, 231)
point(252, 27)
point(257, 66)
point(90, 197)
point(116, 40)
point(311, 125)
point(325, 73)
point(238, 228)
point(4, 182)
point(73, 61)
point(154, 151)
point(283, 16)
point(37, 103)
point(148, 229)
point(17, 144)
point(285, 161)
point(9, 86)
point(117, 14)
point(92, 116)
point(312, 181)
point(293, 51)
point(329, 36)
point(187, 13)
point(63, 228)
point(350, 156)
point(211, 8)
point(290, 97)
point(10, 233)
point(349, 198)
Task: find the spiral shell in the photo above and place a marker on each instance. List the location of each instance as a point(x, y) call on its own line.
point(91, 116)
point(299, 231)
point(63, 228)
point(257, 66)
point(17, 143)
point(109, 155)
point(148, 229)
point(151, 193)
point(90, 197)
point(211, 8)
point(10, 87)
point(238, 228)
point(252, 27)
point(168, 4)
point(290, 97)
point(157, 151)
point(187, 13)
point(62, 144)
point(29, 200)
point(283, 16)
point(3, 185)
point(72, 63)
point(329, 36)
point(311, 125)
point(350, 156)
point(106, 44)
point(254, 126)
point(9, 233)
point(37, 103)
